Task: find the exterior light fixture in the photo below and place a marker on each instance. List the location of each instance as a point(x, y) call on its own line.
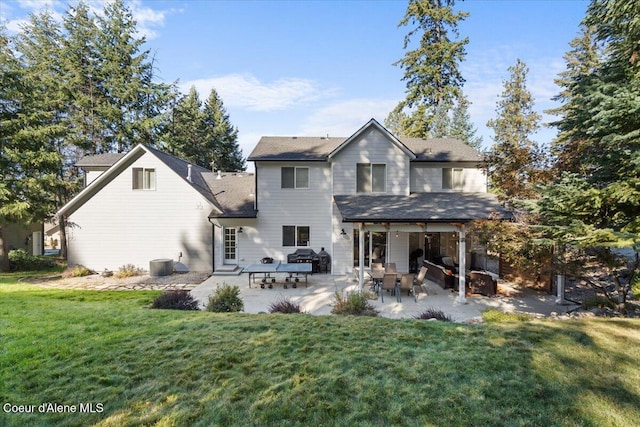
point(343, 233)
point(240, 230)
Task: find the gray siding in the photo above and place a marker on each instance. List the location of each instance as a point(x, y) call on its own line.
point(119, 226)
point(371, 147)
point(427, 177)
point(277, 207)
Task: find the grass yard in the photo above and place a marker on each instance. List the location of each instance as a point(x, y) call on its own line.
point(158, 367)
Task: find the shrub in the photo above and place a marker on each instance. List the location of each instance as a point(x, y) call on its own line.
point(21, 260)
point(226, 300)
point(354, 304)
point(77, 271)
point(432, 313)
point(596, 301)
point(128, 270)
point(635, 289)
point(497, 316)
point(285, 306)
point(175, 300)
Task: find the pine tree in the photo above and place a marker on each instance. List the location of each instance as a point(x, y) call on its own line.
point(513, 159)
point(431, 70)
point(461, 127)
point(441, 122)
point(186, 137)
point(582, 62)
point(221, 135)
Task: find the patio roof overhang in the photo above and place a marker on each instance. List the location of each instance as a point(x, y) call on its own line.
point(419, 208)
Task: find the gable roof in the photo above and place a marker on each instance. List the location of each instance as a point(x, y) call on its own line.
point(99, 160)
point(226, 196)
point(292, 148)
point(369, 125)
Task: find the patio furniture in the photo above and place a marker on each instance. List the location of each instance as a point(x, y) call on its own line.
point(390, 267)
point(406, 284)
point(482, 283)
point(418, 283)
point(389, 282)
point(376, 266)
point(440, 275)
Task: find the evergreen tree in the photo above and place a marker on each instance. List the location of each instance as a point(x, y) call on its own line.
point(441, 122)
point(431, 70)
point(131, 109)
point(461, 127)
point(221, 135)
point(582, 62)
point(186, 137)
point(514, 157)
point(32, 128)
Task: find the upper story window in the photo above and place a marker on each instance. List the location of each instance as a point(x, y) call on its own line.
point(371, 178)
point(144, 179)
point(452, 179)
point(295, 177)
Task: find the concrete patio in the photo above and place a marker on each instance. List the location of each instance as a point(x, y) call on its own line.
point(319, 295)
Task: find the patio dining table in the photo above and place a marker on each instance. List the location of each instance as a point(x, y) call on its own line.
point(378, 275)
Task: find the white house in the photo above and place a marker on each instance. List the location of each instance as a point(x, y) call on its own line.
point(371, 194)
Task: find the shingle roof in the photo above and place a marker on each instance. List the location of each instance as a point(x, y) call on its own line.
point(288, 148)
point(235, 193)
point(419, 207)
point(104, 160)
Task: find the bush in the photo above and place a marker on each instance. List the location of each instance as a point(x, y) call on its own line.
point(21, 260)
point(497, 316)
point(432, 313)
point(225, 300)
point(354, 304)
point(128, 270)
point(635, 289)
point(597, 301)
point(175, 300)
point(77, 271)
point(285, 306)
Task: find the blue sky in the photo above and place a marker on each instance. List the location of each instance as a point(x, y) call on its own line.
point(325, 67)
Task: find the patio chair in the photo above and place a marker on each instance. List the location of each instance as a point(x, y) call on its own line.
point(376, 266)
point(390, 267)
point(406, 284)
point(389, 283)
point(418, 283)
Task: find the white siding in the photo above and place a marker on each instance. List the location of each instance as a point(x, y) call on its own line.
point(119, 225)
point(371, 147)
point(277, 207)
point(427, 177)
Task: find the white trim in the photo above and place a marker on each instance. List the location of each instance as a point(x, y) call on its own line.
point(369, 124)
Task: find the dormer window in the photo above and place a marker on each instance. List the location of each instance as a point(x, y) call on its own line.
point(144, 179)
point(371, 178)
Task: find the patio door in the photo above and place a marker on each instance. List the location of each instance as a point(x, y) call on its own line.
point(230, 246)
point(375, 247)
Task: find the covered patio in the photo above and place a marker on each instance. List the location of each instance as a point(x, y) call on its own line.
point(419, 214)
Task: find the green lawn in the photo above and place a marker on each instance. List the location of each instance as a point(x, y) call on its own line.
point(160, 367)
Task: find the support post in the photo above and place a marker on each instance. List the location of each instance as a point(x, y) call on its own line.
point(560, 289)
point(361, 253)
point(462, 258)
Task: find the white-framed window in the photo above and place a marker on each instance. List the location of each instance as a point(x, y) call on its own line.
point(296, 235)
point(144, 179)
point(371, 178)
point(294, 177)
point(452, 179)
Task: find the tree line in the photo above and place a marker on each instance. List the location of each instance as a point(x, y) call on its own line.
point(577, 197)
point(86, 85)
